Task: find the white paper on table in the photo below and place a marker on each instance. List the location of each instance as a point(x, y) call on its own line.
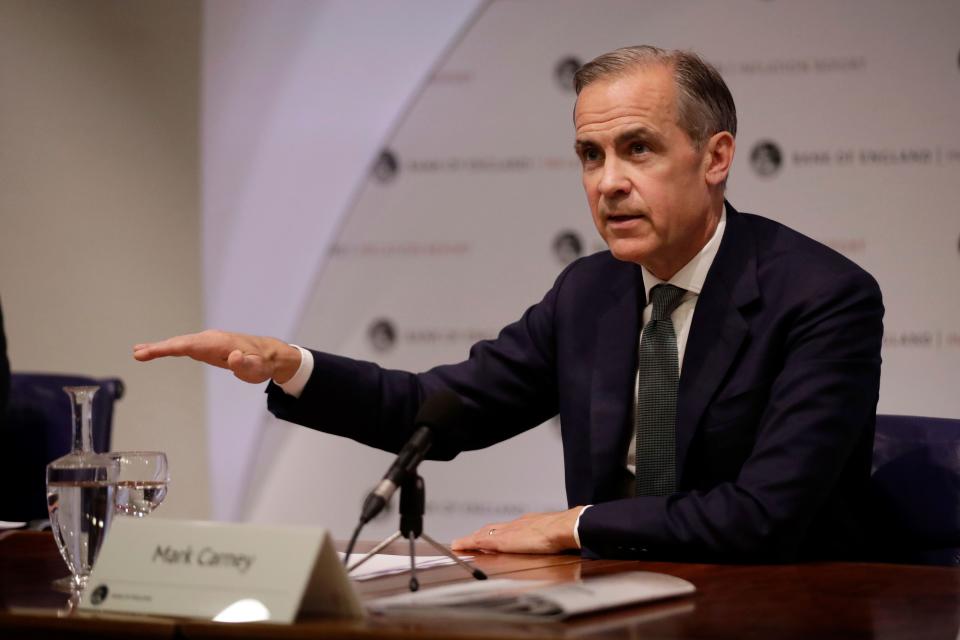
point(529, 600)
point(385, 564)
point(12, 525)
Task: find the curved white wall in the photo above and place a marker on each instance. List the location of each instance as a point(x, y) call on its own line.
point(297, 99)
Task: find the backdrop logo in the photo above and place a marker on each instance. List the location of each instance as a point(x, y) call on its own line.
point(490, 164)
point(766, 158)
point(822, 64)
point(567, 246)
point(564, 71)
point(912, 339)
point(401, 249)
point(386, 167)
point(382, 335)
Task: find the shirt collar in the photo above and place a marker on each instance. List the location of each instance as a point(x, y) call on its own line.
point(693, 274)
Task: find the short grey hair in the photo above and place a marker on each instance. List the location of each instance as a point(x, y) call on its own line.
point(704, 103)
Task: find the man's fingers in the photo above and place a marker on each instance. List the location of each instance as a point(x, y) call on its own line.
point(475, 542)
point(461, 543)
point(211, 347)
point(485, 538)
point(142, 353)
point(151, 350)
point(176, 346)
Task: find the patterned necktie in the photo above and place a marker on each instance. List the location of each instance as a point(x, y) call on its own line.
point(658, 374)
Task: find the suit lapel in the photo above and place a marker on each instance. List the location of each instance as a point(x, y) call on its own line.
point(718, 327)
point(613, 381)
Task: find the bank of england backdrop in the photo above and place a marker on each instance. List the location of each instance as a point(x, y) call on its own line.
point(396, 193)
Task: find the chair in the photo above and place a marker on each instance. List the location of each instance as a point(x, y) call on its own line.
point(915, 489)
point(37, 429)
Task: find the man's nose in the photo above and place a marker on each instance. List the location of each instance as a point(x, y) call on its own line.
point(613, 180)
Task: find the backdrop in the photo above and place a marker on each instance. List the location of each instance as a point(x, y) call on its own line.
point(395, 182)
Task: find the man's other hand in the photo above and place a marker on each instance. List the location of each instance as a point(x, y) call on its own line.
point(530, 533)
point(253, 359)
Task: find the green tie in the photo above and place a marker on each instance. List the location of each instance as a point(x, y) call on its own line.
point(658, 374)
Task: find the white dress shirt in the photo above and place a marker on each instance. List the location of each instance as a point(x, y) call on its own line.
point(691, 278)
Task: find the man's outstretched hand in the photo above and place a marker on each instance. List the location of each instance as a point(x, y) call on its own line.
point(251, 358)
point(530, 533)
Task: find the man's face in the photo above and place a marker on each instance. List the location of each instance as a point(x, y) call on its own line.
point(645, 181)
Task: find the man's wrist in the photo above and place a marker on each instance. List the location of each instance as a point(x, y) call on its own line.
point(294, 386)
point(576, 526)
point(287, 361)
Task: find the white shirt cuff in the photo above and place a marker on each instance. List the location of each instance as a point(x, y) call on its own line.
point(294, 386)
point(576, 526)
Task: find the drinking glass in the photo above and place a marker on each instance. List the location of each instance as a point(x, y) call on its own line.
point(141, 482)
point(80, 487)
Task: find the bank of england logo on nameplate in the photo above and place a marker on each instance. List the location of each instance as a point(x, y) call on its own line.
point(98, 595)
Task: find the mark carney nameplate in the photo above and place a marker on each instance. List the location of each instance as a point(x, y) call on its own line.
point(226, 572)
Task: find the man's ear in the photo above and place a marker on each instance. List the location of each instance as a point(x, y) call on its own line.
point(717, 157)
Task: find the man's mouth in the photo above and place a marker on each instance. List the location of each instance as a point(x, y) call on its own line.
point(620, 218)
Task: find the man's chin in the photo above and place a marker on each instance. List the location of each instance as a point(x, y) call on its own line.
point(629, 250)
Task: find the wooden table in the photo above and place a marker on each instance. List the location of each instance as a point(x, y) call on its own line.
point(810, 601)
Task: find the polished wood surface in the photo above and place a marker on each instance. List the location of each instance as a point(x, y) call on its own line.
point(818, 600)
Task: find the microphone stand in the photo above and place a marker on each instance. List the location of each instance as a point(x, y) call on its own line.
point(411, 527)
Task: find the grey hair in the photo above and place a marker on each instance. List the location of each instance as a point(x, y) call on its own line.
point(704, 103)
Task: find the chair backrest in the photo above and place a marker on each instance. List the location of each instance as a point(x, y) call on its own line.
point(37, 429)
point(916, 490)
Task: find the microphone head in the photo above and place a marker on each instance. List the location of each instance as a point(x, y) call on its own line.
point(441, 409)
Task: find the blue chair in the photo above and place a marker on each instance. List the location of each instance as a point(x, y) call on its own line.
point(37, 429)
point(916, 490)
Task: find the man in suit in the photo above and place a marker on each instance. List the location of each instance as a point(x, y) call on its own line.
point(716, 374)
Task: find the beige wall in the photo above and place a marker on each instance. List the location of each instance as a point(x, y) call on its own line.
point(99, 209)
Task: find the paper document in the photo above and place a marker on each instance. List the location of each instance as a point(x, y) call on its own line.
point(385, 565)
point(507, 599)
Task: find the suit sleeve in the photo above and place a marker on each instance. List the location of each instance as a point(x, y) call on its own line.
point(821, 408)
point(507, 385)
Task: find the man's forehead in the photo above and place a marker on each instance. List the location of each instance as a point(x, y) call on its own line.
point(646, 93)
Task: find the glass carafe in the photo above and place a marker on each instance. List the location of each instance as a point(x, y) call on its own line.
point(80, 487)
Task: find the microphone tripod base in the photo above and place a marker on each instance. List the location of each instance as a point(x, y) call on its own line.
point(411, 527)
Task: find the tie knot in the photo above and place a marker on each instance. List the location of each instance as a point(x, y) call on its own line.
point(665, 298)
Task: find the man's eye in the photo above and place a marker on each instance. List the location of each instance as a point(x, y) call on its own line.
point(638, 148)
point(591, 155)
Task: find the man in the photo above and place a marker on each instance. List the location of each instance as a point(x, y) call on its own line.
point(738, 426)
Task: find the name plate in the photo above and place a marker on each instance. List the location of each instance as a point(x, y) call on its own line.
point(218, 571)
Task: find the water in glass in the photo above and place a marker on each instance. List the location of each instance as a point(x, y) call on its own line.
point(80, 501)
point(80, 488)
point(141, 481)
point(138, 498)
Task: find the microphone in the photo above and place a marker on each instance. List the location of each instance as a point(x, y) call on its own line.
point(439, 411)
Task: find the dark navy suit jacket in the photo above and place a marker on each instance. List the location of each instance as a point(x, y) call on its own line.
point(776, 405)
